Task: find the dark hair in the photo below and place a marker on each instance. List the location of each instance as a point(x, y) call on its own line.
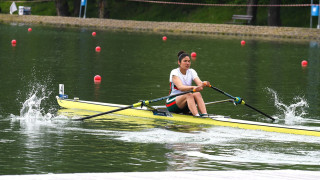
point(181, 55)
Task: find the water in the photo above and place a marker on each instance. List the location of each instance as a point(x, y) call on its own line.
point(37, 137)
point(293, 113)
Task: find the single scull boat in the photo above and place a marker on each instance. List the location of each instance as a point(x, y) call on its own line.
point(164, 115)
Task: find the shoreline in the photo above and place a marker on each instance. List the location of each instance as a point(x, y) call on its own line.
point(260, 32)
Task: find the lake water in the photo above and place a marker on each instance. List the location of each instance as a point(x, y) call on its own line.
point(37, 138)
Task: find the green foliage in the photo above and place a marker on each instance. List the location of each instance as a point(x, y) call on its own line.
point(5, 7)
point(290, 16)
point(44, 8)
point(37, 8)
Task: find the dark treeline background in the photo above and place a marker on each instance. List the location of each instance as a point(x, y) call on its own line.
point(144, 11)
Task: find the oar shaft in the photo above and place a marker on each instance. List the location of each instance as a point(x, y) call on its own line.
point(260, 112)
point(222, 92)
point(100, 114)
point(217, 102)
point(243, 103)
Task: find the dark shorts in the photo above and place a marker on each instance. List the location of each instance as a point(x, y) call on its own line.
point(172, 106)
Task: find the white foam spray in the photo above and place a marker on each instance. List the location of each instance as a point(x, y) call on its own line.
point(31, 108)
point(293, 113)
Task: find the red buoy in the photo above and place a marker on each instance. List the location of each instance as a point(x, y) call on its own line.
point(29, 29)
point(164, 38)
point(98, 49)
point(304, 63)
point(14, 41)
point(97, 78)
point(243, 42)
point(94, 33)
point(193, 54)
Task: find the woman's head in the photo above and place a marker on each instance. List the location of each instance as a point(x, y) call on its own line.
point(182, 55)
point(184, 60)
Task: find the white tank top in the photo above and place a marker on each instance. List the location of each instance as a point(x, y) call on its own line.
point(186, 79)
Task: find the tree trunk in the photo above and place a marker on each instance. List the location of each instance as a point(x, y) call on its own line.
point(252, 10)
point(62, 7)
point(103, 11)
point(274, 13)
point(76, 9)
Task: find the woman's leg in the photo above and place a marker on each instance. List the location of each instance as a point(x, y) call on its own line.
point(187, 99)
point(199, 100)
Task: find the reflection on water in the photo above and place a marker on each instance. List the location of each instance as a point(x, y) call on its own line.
point(231, 148)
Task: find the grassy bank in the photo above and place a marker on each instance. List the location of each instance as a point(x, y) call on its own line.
point(207, 29)
point(124, 10)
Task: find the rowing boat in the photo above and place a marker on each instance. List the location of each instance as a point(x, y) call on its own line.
point(214, 120)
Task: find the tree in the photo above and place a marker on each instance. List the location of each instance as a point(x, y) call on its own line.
point(274, 13)
point(62, 7)
point(252, 10)
point(103, 10)
point(76, 7)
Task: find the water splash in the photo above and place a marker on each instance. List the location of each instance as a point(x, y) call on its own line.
point(293, 113)
point(31, 107)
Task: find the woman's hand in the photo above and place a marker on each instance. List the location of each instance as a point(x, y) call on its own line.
point(197, 88)
point(205, 83)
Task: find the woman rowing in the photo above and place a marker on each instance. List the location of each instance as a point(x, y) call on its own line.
point(181, 80)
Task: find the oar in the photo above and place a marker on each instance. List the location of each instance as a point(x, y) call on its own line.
point(221, 101)
point(141, 103)
point(238, 100)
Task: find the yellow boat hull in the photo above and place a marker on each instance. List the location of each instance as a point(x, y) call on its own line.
point(214, 120)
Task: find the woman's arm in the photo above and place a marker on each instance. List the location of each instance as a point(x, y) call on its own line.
point(176, 80)
point(200, 83)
